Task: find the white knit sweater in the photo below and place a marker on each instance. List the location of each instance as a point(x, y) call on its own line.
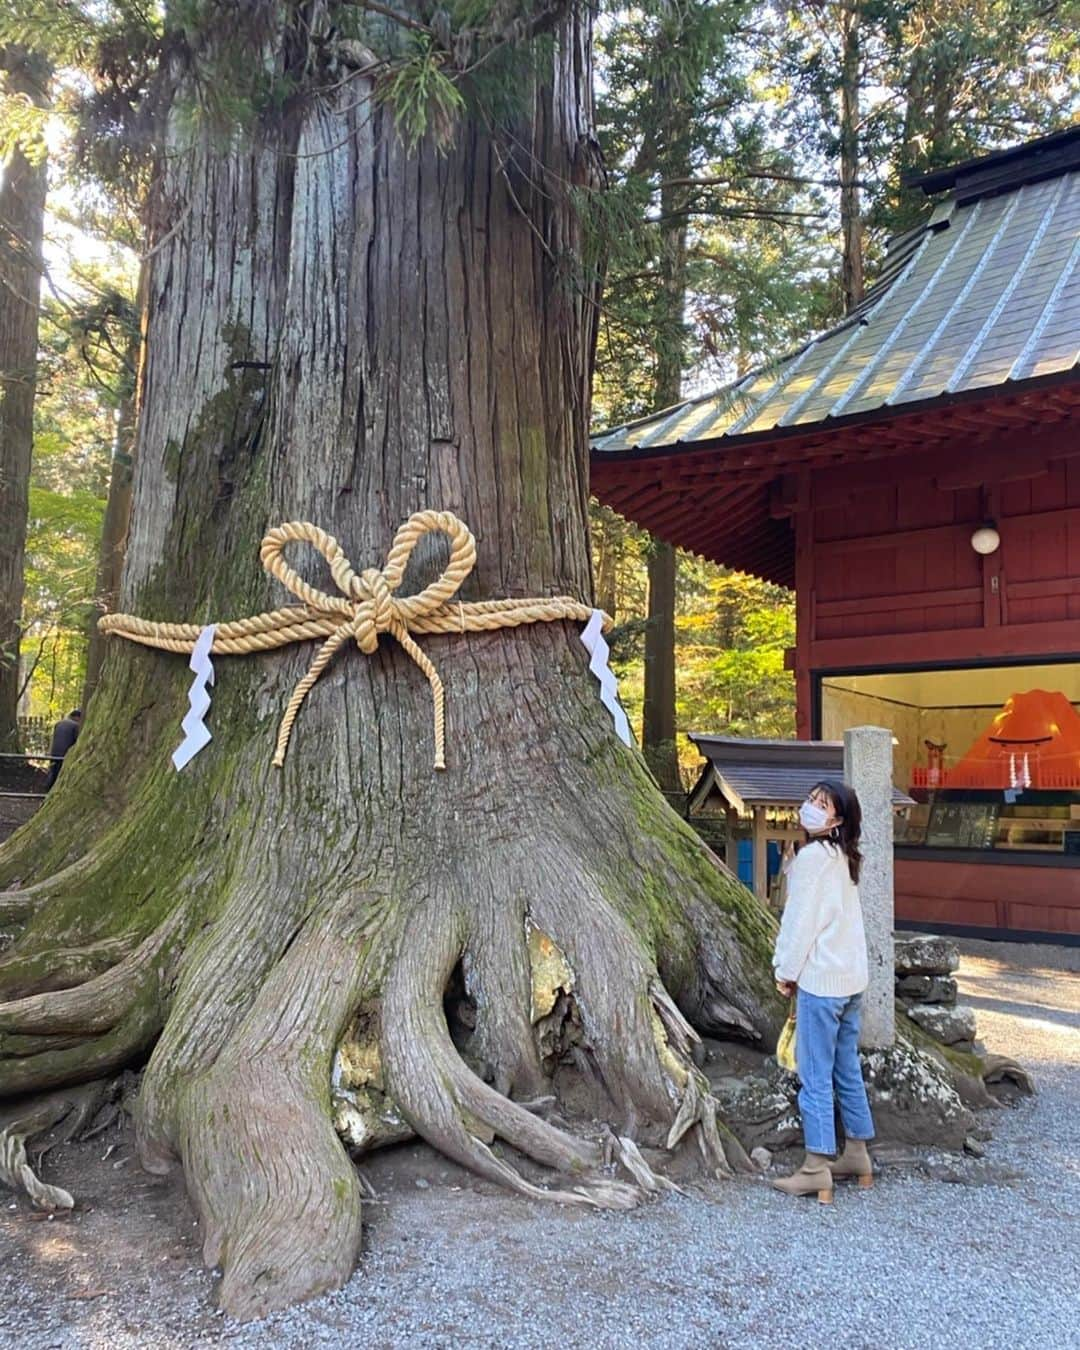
point(821, 945)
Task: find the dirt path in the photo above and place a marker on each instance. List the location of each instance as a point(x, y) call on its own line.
point(983, 1252)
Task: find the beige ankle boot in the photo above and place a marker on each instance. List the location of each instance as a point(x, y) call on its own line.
point(814, 1177)
point(855, 1162)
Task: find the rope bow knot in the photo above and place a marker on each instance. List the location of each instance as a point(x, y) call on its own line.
point(365, 607)
point(370, 606)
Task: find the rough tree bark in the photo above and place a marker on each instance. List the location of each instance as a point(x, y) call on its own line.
point(22, 218)
point(342, 331)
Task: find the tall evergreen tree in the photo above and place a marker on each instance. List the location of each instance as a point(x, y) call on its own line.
point(24, 88)
point(868, 91)
point(685, 150)
point(115, 318)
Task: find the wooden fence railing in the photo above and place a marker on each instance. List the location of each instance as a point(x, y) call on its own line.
point(35, 734)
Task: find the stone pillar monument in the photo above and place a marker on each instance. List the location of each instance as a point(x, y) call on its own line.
point(868, 766)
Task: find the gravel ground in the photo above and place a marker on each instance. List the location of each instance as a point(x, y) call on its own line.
point(979, 1253)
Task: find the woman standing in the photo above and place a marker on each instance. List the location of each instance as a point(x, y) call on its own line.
point(821, 955)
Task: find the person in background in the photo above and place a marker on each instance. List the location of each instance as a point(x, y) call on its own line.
point(65, 734)
point(821, 958)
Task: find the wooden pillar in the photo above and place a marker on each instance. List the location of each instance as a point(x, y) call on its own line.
point(731, 848)
point(761, 857)
point(803, 523)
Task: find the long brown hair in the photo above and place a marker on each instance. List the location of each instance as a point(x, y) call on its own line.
point(846, 833)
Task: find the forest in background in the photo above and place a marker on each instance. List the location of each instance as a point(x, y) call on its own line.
point(755, 157)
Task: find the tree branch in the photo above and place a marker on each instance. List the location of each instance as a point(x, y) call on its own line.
point(769, 175)
point(405, 20)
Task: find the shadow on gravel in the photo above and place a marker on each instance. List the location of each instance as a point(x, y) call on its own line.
point(1036, 1012)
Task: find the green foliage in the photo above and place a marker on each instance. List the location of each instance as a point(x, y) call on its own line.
point(223, 73)
point(106, 57)
point(63, 530)
point(731, 633)
point(731, 637)
point(422, 96)
point(721, 130)
point(83, 374)
point(60, 30)
point(706, 227)
point(719, 126)
point(22, 127)
point(938, 81)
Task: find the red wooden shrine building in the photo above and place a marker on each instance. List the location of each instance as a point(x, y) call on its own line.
point(914, 474)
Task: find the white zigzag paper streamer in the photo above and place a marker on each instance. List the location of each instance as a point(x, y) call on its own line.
point(196, 732)
point(592, 637)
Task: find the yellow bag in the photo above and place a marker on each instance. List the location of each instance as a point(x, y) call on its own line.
point(785, 1046)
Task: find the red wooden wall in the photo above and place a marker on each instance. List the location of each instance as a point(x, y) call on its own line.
point(886, 577)
point(1040, 529)
point(981, 895)
point(899, 562)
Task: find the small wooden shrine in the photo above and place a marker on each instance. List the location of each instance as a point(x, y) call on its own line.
point(757, 786)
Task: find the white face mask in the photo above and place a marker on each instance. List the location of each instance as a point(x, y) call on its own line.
point(813, 818)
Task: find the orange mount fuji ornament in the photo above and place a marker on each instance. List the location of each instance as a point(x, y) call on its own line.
point(1034, 741)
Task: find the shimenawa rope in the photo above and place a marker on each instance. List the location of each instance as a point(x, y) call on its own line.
point(366, 607)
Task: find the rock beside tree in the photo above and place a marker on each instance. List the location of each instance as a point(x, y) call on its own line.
point(925, 954)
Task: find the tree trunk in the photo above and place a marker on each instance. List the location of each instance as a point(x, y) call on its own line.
point(22, 217)
point(851, 222)
point(343, 332)
point(658, 718)
point(606, 539)
point(114, 531)
point(917, 94)
point(658, 721)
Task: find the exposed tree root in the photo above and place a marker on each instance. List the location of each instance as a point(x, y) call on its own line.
point(15, 1169)
point(87, 1031)
point(618, 1149)
point(89, 1058)
point(258, 1063)
point(612, 977)
point(327, 1010)
point(14, 1046)
point(1002, 1069)
point(99, 1003)
point(45, 972)
point(15, 906)
point(18, 903)
point(277, 1194)
point(295, 1030)
point(497, 971)
point(446, 1103)
point(348, 1016)
point(72, 1111)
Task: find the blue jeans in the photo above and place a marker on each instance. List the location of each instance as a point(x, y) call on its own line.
point(827, 1051)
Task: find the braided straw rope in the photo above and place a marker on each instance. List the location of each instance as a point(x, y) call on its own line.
point(365, 608)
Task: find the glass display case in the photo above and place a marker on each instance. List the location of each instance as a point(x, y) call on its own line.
point(1033, 823)
point(991, 755)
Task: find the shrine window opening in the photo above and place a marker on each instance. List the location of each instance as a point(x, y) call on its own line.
point(991, 754)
